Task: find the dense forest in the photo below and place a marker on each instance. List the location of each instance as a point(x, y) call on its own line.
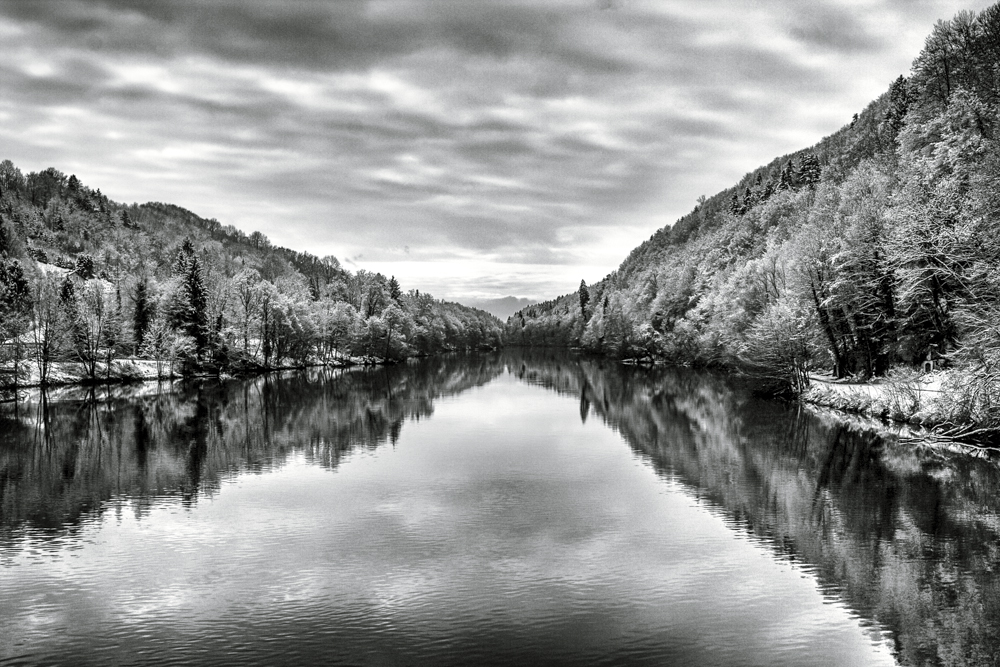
point(874, 250)
point(86, 280)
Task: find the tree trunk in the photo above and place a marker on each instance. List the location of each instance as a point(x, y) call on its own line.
point(824, 319)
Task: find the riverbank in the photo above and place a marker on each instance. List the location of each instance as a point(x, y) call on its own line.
point(123, 371)
point(927, 402)
point(950, 407)
point(913, 399)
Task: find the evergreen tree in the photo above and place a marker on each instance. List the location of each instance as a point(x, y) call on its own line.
point(197, 318)
point(184, 255)
point(15, 293)
point(6, 239)
point(190, 308)
point(71, 306)
point(142, 314)
point(85, 266)
point(584, 298)
point(769, 189)
point(809, 170)
point(394, 292)
point(895, 114)
point(786, 181)
point(127, 221)
point(734, 205)
point(15, 307)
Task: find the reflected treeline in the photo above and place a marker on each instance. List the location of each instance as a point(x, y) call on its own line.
point(61, 461)
point(907, 537)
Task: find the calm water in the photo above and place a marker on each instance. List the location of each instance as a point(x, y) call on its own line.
point(507, 509)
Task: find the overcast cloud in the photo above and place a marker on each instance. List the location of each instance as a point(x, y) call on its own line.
point(473, 149)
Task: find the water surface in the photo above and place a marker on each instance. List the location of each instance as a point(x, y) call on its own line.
point(515, 508)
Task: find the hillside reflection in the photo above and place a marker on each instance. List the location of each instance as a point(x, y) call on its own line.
point(61, 461)
point(907, 538)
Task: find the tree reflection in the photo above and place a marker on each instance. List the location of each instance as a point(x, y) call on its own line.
point(907, 537)
point(61, 461)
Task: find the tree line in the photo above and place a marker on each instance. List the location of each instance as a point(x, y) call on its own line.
point(87, 280)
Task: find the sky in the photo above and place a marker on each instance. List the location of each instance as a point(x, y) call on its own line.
point(475, 149)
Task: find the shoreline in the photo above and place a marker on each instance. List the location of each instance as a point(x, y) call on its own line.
point(913, 401)
point(131, 371)
point(916, 405)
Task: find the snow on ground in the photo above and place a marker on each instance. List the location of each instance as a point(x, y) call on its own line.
point(913, 399)
point(927, 386)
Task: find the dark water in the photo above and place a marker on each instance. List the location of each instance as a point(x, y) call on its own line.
point(508, 509)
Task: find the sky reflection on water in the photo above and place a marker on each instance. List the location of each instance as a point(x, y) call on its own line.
point(460, 511)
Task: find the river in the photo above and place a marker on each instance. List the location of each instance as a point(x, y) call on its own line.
point(523, 507)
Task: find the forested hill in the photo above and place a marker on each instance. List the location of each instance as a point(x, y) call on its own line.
point(875, 248)
point(86, 279)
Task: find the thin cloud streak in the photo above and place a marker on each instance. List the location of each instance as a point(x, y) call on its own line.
point(539, 143)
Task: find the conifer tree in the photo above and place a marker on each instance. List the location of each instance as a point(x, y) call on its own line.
point(142, 314)
point(809, 170)
point(6, 244)
point(394, 292)
point(769, 188)
point(127, 221)
point(584, 298)
point(85, 266)
point(194, 290)
point(15, 302)
point(71, 306)
point(786, 181)
point(895, 115)
point(734, 205)
point(189, 310)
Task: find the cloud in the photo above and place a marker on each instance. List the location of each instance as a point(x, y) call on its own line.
point(836, 29)
point(316, 35)
point(508, 133)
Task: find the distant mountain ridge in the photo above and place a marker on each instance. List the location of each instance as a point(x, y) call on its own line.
point(501, 308)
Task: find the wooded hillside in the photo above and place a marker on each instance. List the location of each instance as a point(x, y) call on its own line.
point(874, 249)
point(86, 279)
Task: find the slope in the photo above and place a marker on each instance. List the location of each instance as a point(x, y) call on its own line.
point(876, 249)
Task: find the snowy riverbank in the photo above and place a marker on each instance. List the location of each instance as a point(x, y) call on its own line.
point(66, 375)
point(914, 399)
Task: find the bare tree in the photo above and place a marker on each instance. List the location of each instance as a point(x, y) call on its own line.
point(50, 323)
